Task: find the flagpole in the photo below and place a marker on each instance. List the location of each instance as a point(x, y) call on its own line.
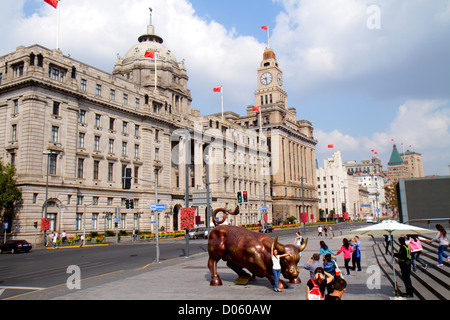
point(58, 23)
point(268, 37)
point(221, 97)
point(156, 70)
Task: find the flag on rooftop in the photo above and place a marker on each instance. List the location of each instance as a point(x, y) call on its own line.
point(330, 146)
point(265, 27)
point(149, 54)
point(218, 89)
point(255, 108)
point(53, 3)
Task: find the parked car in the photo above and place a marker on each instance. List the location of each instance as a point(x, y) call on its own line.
point(14, 246)
point(198, 233)
point(266, 229)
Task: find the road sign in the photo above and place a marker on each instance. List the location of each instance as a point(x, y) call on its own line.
point(152, 222)
point(264, 208)
point(158, 207)
point(6, 225)
point(199, 197)
point(365, 206)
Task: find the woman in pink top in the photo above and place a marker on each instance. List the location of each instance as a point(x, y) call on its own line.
point(347, 250)
point(416, 249)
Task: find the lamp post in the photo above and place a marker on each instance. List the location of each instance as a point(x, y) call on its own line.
point(48, 153)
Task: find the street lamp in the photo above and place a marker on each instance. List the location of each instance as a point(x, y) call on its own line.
point(48, 153)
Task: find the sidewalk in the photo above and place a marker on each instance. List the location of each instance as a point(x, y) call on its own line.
point(188, 279)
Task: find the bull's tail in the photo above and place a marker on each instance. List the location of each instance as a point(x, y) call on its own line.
point(226, 213)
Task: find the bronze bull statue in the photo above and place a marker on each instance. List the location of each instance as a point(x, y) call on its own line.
point(242, 248)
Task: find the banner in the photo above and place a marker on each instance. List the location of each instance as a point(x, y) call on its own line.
point(304, 217)
point(187, 218)
point(45, 224)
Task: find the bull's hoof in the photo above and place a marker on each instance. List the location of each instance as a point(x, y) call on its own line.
point(282, 285)
point(296, 280)
point(215, 282)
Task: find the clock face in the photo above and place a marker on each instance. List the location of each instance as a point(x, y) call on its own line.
point(280, 79)
point(266, 78)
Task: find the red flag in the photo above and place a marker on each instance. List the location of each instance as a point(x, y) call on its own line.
point(255, 108)
point(53, 3)
point(149, 54)
point(219, 89)
point(372, 150)
point(265, 27)
point(330, 146)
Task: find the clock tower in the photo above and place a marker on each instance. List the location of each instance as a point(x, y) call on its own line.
point(270, 82)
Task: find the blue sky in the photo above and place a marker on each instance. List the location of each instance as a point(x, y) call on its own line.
point(362, 77)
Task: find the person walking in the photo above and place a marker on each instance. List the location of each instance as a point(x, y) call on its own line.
point(324, 249)
point(415, 246)
point(387, 242)
point(442, 239)
point(55, 240)
point(347, 250)
point(276, 267)
point(356, 255)
point(319, 230)
point(404, 260)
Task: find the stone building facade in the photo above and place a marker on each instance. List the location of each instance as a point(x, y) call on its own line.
point(75, 132)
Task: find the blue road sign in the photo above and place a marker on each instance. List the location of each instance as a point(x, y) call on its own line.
point(158, 207)
point(365, 206)
point(263, 208)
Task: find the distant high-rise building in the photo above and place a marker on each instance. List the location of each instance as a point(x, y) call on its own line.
point(405, 165)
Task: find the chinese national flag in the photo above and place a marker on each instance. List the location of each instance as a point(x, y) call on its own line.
point(53, 3)
point(330, 146)
point(265, 27)
point(149, 54)
point(255, 108)
point(219, 89)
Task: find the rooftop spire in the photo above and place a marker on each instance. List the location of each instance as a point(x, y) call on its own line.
point(395, 160)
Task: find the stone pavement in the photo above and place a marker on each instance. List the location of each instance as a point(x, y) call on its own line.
point(188, 279)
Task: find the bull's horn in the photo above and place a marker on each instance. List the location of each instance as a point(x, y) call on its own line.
point(303, 246)
point(235, 212)
point(279, 247)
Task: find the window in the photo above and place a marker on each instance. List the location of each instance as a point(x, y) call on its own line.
point(18, 70)
point(55, 110)
point(95, 201)
point(82, 116)
point(83, 85)
point(97, 143)
point(54, 136)
point(109, 201)
point(136, 151)
point(137, 104)
point(136, 130)
point(80, 167)
point(56, 74)
point(94, 221)
point(111, 123)
point(124, 127)
point(79, 221)
point(125, 99)
point(98, 118)
point(112, 95)
point(15, 106)
point(52, 165)
point(156, 153)
point(96, 169)
point(111, 146)
point(124, 148)
point(1, 77)
point(136, 174)
point(98, 89)
point(14, 132)
point(110, 171)
point(35, 195)
point(81, 136)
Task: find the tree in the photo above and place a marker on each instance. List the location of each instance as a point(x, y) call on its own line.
point(390, 194)
point(10, 194)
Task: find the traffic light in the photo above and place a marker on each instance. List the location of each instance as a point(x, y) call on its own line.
point(127, 203)
point(239, 197)
point(245, 196)
point(131, 204)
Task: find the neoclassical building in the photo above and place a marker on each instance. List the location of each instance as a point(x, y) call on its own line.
point(291, 144)
point(84, 141)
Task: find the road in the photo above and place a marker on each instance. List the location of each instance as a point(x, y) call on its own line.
point(41, 268)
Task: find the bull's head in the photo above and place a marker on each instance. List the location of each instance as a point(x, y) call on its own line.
point(289, 267)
